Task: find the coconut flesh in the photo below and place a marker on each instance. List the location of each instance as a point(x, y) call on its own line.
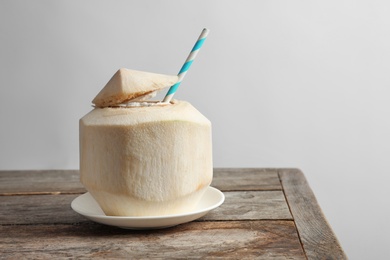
point(145, 158)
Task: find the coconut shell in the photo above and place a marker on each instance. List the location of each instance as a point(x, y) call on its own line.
point(127, 85)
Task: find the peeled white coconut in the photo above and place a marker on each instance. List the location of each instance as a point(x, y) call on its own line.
point(145, 160)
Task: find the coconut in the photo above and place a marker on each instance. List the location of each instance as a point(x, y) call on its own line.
point(145, 160)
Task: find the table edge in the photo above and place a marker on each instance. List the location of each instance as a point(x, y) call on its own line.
point(303, 207)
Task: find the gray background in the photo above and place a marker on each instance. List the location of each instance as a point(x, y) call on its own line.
point(285, 83)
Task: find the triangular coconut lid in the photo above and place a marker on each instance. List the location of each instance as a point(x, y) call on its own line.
point(127, 85)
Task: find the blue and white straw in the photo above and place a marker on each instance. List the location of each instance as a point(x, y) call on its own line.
point(187, 65)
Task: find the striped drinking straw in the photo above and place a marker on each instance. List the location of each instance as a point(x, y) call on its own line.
point(187, 65)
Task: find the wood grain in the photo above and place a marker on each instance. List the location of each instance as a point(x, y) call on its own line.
point(39, 209)
point(40, 182)
point(251, 205)
point(224, 240)
point(232, 179)
point(315, 233)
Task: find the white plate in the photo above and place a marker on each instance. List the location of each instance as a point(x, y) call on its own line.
point(87, 206)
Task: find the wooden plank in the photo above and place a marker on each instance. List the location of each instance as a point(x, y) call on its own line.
point(315, 233)
point(40, 182)
point(67, 181)
point(55, 209)
point(233, 240)
point(251, 205)
point(38, 209)
point(238, 179)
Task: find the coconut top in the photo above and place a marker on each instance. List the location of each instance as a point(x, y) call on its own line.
point(128, 85)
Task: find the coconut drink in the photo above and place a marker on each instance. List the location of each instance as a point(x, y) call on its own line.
point(141, 157)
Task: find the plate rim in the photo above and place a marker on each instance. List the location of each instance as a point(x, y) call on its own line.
point(186, 214)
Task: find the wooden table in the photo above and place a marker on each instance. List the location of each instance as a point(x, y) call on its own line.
point(267, 213)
